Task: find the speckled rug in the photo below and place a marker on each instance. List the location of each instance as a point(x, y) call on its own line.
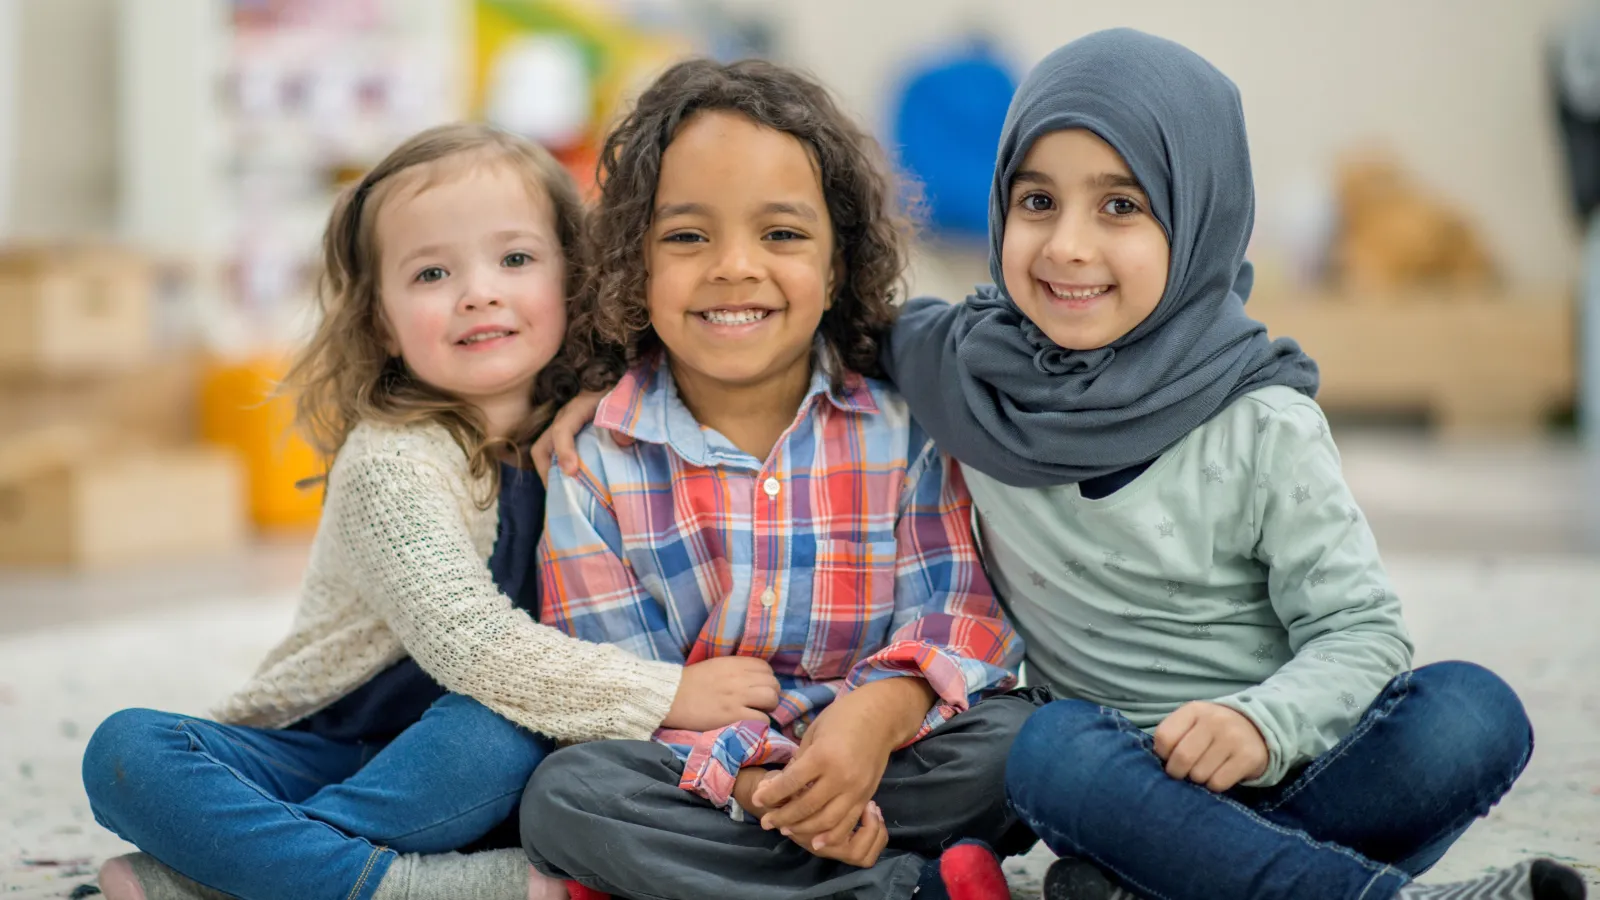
point(1534, 620)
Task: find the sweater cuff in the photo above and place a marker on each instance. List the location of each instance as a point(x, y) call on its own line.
point(653, 687)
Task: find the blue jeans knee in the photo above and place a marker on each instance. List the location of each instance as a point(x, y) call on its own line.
point(114, 762)
point(1475, 721)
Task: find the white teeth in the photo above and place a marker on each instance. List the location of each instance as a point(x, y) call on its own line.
point(734, 317)
point(1078, 295)
point(485, 336)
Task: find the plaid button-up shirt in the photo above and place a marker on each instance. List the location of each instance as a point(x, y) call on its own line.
point(844, 558)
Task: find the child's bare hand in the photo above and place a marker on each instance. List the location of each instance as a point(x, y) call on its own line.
point(819, 797)
point(1211, 745)
point(860, 847)
point(560, 438)
point(719, 692)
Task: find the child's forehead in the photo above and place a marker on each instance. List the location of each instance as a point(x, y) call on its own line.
point(1074, 154)
point(728, 160)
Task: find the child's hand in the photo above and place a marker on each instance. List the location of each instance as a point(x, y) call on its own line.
point(822, 794)
point(1211, 745)
point(719, 692)
point(860, 848)
point(560, 438)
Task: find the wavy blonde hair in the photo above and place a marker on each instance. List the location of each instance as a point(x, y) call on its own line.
point(345, 374)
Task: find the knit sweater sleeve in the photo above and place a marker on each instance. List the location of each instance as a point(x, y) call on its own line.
point(399, 521)
point(1329, 589)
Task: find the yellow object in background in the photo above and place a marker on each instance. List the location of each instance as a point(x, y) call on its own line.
point(238, 410)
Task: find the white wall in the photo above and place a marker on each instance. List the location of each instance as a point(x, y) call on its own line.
point(1456, 86)
point(64, 176)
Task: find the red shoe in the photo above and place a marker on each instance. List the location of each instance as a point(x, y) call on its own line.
point(972, 872)
point(576, 891)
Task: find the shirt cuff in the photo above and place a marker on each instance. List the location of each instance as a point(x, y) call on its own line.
point(716, 757)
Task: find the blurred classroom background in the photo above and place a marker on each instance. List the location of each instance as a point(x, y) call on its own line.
point(1426, 174)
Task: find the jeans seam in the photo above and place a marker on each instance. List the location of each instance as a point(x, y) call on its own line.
point(1327, 759)
point(1378, 876)
point(196, 743)
point(372, 860)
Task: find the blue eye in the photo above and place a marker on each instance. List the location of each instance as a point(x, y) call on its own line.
point(431, 274)
point(516, 260)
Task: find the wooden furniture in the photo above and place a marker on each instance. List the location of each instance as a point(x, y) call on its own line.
point(1478, 363)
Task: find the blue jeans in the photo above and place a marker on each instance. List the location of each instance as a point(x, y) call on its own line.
point(260, 814)
point(1437, 748)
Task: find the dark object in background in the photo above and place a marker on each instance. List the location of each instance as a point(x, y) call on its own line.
point(1574, 77)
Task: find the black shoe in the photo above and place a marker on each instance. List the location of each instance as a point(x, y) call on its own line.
point(1550, 881)
point(1070, 878)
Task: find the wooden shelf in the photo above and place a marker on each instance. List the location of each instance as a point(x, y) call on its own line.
point(1473, 362)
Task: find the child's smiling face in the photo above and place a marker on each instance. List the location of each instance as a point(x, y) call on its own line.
point(1082, 255)
point(740, 253)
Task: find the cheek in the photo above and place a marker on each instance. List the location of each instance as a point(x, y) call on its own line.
point(1017, 249)
point(416, 324)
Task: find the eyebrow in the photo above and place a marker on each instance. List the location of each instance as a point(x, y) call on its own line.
point(1103, 180)
point(799, 210)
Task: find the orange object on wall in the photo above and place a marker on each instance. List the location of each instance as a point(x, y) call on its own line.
point(238, 410)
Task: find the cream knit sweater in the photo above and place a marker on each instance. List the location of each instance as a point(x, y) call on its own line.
point(399, 566)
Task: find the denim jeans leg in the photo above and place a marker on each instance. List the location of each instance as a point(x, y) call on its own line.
point(1437, 749)
point(179, 788)
point(439, 786)
point(1090, 785)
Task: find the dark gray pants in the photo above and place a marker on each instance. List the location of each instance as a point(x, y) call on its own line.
point(611, 815)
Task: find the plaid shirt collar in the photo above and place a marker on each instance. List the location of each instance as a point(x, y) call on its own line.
point(645, 406)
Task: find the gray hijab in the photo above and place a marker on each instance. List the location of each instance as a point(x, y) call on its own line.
point(999, 395)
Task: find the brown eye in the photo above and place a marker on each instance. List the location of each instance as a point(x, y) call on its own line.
point(1036, 202)
point(1121, 206)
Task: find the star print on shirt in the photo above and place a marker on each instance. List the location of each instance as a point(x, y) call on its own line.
point(1238, 602)
point(1114, 560)
point(1347, 700)
point(1315, 579)
point(1037, 579)
point(1213, 473)
point(1173, 589)
point(1377, 595)
point(1167, 528)
point(1201, 630)
point(1301, 494)
point(1094, 632)
point(1264, 652)
point(1262, 423)
point(1076, 568)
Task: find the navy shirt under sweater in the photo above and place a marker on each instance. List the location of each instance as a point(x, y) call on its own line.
point(398, 696)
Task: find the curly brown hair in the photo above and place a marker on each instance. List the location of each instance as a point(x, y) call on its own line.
point(345, 373)
point(610, 329)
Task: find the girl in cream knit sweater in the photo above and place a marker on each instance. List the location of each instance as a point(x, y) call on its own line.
point(415, 693)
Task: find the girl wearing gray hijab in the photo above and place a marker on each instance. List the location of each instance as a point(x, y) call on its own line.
point(1161, 505)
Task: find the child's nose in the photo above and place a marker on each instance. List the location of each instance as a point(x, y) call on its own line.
point(1071, 241)
point(480, 292)
point(736, 262)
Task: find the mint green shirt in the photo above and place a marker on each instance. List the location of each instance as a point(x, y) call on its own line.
point(1236, 569)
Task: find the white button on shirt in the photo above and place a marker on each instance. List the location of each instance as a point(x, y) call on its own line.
point(769, 597)
point(771, 487)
